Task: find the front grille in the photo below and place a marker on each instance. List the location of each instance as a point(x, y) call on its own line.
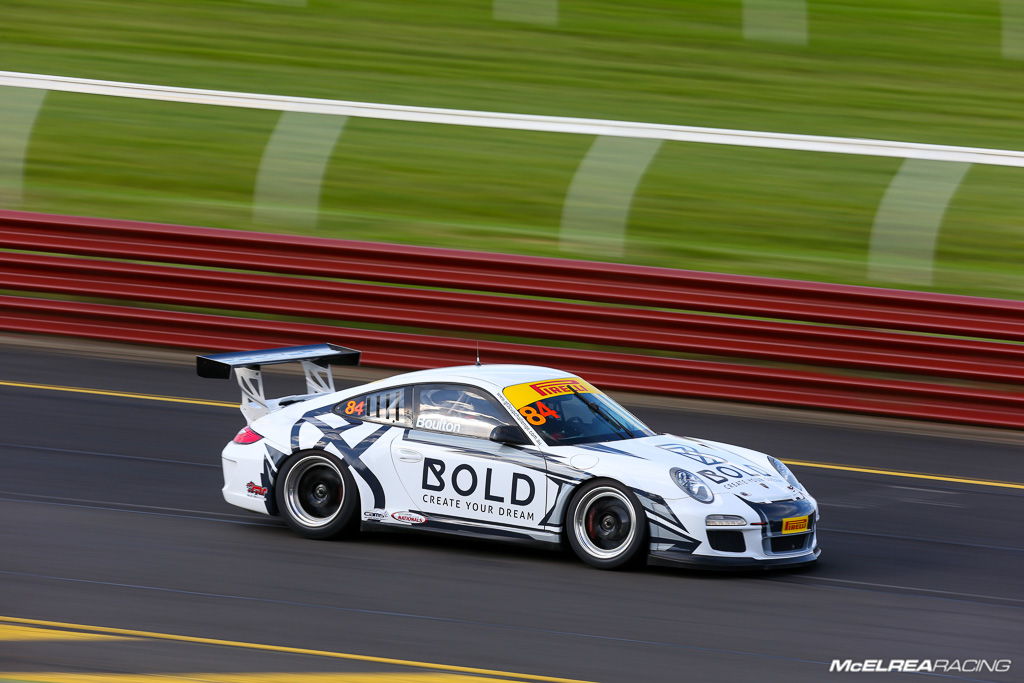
point(789, 544)
point(727, 541)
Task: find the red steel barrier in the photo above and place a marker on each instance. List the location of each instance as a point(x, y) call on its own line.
point(661, 330)
point(529, 275)
point(287, 275)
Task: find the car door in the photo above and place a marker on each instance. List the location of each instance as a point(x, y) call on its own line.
point(456, 477)
point(362, 429)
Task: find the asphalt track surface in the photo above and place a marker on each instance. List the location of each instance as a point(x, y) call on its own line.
point(112, 517)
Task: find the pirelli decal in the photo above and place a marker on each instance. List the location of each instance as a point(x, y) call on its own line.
point(795, 525)
point(520, 395)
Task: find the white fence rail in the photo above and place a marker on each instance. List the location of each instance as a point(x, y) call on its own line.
point(595, 214)
point(553, 124)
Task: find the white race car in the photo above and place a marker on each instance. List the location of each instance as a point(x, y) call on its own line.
point(513, 452)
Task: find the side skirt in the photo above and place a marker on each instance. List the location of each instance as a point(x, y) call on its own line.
point(468, 529)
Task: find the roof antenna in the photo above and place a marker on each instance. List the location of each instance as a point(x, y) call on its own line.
point(478, 353)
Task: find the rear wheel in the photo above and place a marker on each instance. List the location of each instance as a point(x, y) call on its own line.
point(317, 495)
point(606, 527)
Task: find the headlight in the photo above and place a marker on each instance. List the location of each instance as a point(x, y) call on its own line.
point(725, 520)
point(692, 484)
point(781, 468)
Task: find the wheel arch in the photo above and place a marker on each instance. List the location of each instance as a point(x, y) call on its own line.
point(351, 491)
point(643, 522)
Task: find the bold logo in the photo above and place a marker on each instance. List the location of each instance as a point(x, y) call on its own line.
point(465, 481)
point(793, 525)
point(554, 387)
point(254, 489)
point(373, 515)
point(408, 517)
point(723, 473)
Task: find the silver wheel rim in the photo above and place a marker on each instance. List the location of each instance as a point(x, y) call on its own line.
point(604, 523)
point(314, 491)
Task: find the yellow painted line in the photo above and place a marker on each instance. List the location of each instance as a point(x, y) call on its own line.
point(912, 475)
point(290, 650)
point(119, 394)
point(802, 463)
point(9, 632)
point(282, 677)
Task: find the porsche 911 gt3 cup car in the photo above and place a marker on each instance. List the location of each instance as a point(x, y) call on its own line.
point(512, 452)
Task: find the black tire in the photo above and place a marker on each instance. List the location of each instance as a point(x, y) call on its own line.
point(606, 527)
point(317, 495)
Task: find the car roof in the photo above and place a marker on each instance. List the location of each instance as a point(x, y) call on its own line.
point(498, 375)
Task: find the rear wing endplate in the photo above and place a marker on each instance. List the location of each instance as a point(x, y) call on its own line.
point(315, 359)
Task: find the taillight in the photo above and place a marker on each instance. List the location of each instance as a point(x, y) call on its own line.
point(247, 435)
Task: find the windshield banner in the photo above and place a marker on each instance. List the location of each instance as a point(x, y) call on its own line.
point(520, 395)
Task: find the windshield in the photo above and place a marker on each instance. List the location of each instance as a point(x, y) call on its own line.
point(570, 411)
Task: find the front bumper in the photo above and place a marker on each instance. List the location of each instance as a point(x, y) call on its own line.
point(762, 543)
point(717, 562)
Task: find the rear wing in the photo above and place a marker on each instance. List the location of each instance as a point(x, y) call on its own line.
point(315, 359)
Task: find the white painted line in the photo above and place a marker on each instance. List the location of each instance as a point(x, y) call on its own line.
point(909, 220)
point(775, 21)
point(289, 3)
point(287, 192)
point(18, 111)
point(596, 211)
point(1013, 29)
point(543, 12)
point(553, 124)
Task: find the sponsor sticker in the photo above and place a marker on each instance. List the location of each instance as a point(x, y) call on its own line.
point(520, 395)
point(373, 515)
point(794, 525)
point(255, 490)
point(409, 517)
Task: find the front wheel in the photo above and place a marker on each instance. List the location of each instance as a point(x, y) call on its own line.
point(317, 495)
point(606, 527)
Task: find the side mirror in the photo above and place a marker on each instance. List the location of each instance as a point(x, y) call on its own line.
point(510, 435)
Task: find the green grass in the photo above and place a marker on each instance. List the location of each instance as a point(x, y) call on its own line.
point(916, 70)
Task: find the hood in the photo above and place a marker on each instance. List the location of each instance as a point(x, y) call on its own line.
point(727, 470)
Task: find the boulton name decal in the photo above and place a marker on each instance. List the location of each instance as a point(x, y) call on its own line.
point(438, 425)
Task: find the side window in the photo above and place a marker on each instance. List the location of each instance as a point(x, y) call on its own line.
point(458, 409)
point(387, 406)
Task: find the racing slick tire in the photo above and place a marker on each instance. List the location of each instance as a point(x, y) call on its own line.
point(606, 527)
point(317, 495)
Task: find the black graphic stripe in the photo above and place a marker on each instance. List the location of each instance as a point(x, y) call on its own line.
point(546, 521)
point(309, 417)
point(352, 456)
point(602, 448)
point(332, 436)
point(679, 541)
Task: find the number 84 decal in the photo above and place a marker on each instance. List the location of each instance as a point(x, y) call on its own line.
point(538, 415)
